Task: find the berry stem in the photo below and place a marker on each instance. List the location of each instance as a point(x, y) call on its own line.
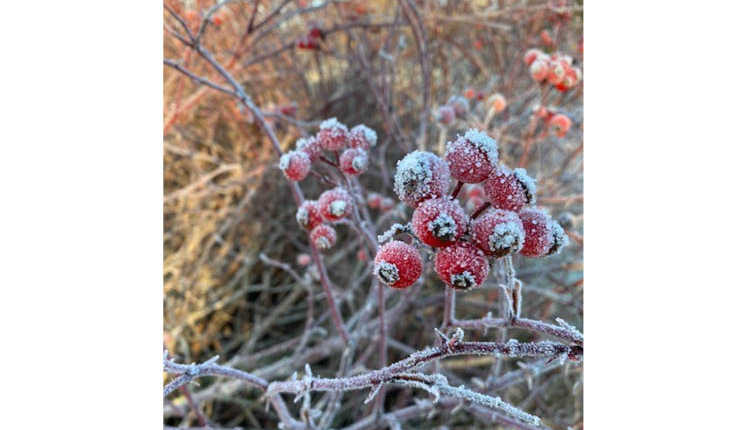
point(480, 210)
point(457, 190)
point(383, 343)
point(449, 309)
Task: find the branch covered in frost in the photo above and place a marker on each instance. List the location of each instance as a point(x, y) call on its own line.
point(393, 231)
point(394, 373)
point(189, 372)
point(562, 331)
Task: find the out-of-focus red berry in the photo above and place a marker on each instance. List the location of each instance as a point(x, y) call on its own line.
point(559, 125)
point(295, 165)
point(469, 93)
point(445, 115)
point(323, 237)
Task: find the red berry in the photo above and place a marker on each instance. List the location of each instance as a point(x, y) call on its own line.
point(544, 236)
point(373, 200)
point(559, 125)
point(421, 176)
point(217, 19)
point(460, 105)
point(497, 102)
point(546, 38)
point(531, 56)
point(308, 215)
point(498, 232)
point(362, 136)
point(445, 115)
point(295, 165)
point(510, 189)
point(462, 266)
point(310, 146)
point(333, 135)
point(469, 93)
point(386, 204)
point(556, 72)
point(323, 237)
point(398, 265)
point(439, 222)
point(472, 157)
point(539, 70)
point(353, 161)
point(335, 204)
point(303, 260)
point(315, 33)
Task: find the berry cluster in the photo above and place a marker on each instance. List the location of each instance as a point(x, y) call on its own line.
point(506, 221)
point(334, 204)
point(458, 107)
point(556, 69)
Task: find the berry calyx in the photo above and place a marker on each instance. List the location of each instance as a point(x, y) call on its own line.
point(397, 264)
point(544, 236)
point(498, 232)
point(353, 161)
point(308, 216)
point(510, 189)
point(420, 176)
point(362, 136)
point(323, 237)
point(333, 135)
point(462, 265)
point(439, 222)
point(335, 204)
point(295, 165)
point(472, 157)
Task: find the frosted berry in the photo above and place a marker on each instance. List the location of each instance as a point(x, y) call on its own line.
point(373, 200)
point(421, 176)
point(498, 232)
point(386, 204)
point(472, 157)
point(303, 259)
point(497, 102)
point(539, 70)
point(398, 264)
point(295, 165)
point(310, 146)
point(532, 55)
point(335, 204)
point(510, 189)
point(353, 161)
point(445, 115)
point(308, 216)
point(460, 105)
point(323, 237)
point(556, 72)
point(439, 222)
point(362, 136)
point(559, 125)
point(333, 135)
point(544, 236)
point(462, 265)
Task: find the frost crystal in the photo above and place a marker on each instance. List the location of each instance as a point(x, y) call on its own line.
point(386, 272)
point(333, 125)
point(394, 230)
point(337, 208)
point(443, 227)
point(303, 216)
point(484, 142)
point(528, 183)
point(559, 237)
point(464, 280)
point(285, 160)
point(370, 135)
point(323, 243)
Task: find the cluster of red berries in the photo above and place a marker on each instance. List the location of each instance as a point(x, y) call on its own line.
point(511, 225)
point(333, 136)
point(311, 40)
point(335, 204)
point(458, 107)
point(556, 69)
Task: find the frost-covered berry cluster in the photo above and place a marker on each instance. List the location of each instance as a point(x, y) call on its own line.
point(555, 69)
point(336, 203)
point(504, 220)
